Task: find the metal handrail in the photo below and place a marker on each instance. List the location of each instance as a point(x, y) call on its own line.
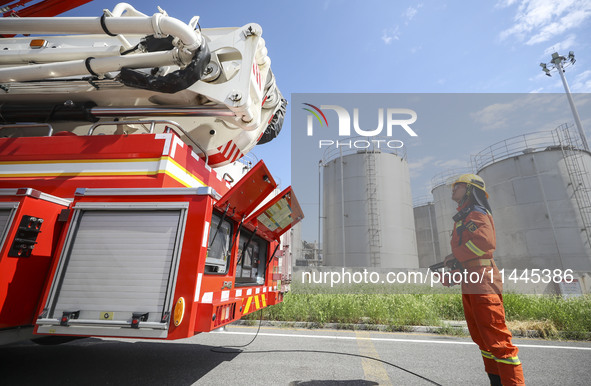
point(162, 111)
point(422, 200)
point(447, 176)
point(518, 145)
point(376, 145)
point(151, 130)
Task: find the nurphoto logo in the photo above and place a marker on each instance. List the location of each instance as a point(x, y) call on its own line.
point(394, 117)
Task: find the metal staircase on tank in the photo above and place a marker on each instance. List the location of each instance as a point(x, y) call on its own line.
point(570, 145)
point(373, 212)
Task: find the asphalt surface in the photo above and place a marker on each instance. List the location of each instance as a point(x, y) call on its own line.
point(285, 356)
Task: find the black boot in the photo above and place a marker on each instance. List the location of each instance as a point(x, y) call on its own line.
point(495, 380)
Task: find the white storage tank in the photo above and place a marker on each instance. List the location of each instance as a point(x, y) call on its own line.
point(426, 232)
point(367, 209)
point(541, 221)
point(295, 244)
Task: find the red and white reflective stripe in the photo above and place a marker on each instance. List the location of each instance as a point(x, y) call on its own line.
point(207, 297)
point(216, 159)
point(198, 287)
point(205, 235)
point(257, 75)
point(230, 151)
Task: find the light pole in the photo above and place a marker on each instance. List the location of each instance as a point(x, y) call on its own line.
point(320, 166)
point(557, 63)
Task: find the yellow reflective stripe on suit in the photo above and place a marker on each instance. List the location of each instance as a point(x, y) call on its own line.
point(509, 361)
point(477, 251)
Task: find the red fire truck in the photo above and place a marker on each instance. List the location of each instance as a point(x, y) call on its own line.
point(125, 209)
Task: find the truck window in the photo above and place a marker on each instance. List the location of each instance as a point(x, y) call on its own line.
point(218, 253)
point(251, 266)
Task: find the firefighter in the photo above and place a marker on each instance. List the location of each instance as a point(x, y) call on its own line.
point(473, 242)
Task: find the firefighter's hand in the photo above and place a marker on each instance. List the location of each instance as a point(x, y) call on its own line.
point(449, 260)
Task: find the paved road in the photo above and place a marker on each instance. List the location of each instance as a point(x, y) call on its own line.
point(285, 357)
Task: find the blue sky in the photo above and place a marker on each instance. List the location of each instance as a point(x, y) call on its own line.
point(455, 46)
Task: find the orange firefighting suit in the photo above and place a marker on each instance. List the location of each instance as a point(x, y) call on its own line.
point(473, 242)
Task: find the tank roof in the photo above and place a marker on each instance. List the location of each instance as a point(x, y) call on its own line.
point(563, 137)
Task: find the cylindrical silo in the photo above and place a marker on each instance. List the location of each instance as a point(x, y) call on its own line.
point(426, 232)
point(367, 208)
point(445, 208)
point(539, 193)
point(295, 243)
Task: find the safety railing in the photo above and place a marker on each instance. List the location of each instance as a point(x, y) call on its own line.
point(363, 145)
point(446, 177)
point(169, 125)
point(422, 200)
point(521, 144)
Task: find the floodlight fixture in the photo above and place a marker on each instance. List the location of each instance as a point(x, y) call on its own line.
point(558, 62)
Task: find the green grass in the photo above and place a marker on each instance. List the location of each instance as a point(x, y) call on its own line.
point(552, 316)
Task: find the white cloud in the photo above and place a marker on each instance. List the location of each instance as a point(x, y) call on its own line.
point(415, 49)
point(582, 82)
point(505, 3)
point(389, 34)
point(411, 12)
point(537, 21)
point(537, 90)
point(583, 100)
point(519, 112)
point(452, 164)
point(494, 116)
point(560, 47)
point(538, 77)
point(420, 164)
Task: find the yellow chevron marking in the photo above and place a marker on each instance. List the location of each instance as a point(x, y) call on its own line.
point(247, 305)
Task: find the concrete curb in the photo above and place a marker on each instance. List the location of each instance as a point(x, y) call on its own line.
point(451, 327)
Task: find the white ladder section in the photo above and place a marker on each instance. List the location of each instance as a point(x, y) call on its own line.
point(578, 175)
point(373, 212)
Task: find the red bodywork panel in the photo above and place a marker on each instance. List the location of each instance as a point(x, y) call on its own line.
point(103, 161)
point(22, 279)
point(248, 193)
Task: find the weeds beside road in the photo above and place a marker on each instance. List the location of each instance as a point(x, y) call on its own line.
point(551, 316)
